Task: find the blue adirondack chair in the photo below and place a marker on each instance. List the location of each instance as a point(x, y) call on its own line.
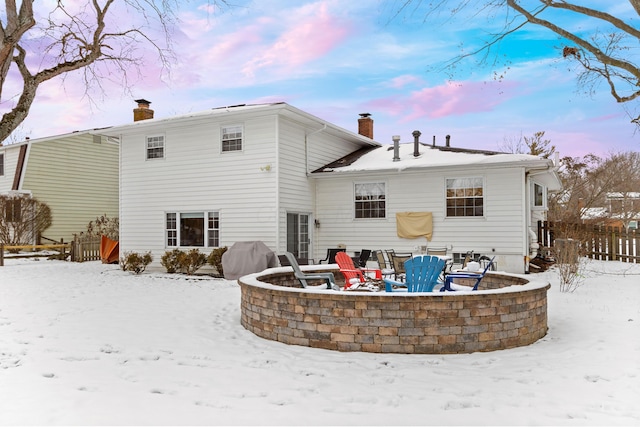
point(448, 280)
point(422, 274)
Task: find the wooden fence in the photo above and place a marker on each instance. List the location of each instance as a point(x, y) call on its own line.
point(598, 242)
point(79, 250)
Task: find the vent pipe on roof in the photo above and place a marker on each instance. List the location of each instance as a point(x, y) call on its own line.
point(434, 140)
point(447, 140)
point(396, 147)
point(416, 143)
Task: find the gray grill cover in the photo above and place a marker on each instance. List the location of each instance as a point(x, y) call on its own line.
point(246, 258)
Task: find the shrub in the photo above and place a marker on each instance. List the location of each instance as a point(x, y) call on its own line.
point(171, 260)
point(215, 259)
point(105, 226)
point(192, 261)
point(132, 261)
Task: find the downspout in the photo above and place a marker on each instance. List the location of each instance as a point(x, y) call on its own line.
point(527, 221)
point(315, 188)
point(278, 242)
point(306, 146)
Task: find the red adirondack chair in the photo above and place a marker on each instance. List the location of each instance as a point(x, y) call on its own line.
point(353, 276)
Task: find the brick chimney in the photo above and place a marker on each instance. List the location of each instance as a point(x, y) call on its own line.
point(143, 112)
point(365, 125)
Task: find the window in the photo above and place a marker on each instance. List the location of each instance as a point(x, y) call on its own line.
point(172, 230)
point(465, 197)
point(538, 195)
point(370, 200)
point(155, 147)
point(231, 138)
point(188, 229)
point(213, 229)
point(13, 210)
point(2, 164)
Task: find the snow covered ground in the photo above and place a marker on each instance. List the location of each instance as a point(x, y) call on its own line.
point(88, 344)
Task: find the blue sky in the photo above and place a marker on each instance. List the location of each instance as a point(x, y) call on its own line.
point(336, 59)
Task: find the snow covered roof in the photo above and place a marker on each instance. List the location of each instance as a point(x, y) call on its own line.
point(381, 158)
point(625, 195)
point(281, 107)
point(96, 131)
point(593, 213)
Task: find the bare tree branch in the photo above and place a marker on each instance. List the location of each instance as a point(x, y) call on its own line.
point(83, 35)
point(603, 54)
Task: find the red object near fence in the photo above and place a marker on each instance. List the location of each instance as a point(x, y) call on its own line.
point(109, 250)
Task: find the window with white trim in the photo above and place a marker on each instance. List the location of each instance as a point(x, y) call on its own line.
point(465, 197)
point(155, 147)
point(231, 138)
point(2, 164)
point(370, 200)
point(538, 195)
point(192, 229)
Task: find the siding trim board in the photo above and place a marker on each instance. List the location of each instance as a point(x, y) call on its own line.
point(22, 157)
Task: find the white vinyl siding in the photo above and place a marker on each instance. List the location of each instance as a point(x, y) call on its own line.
point(198, 177)
point(76, 178)
point(500, 229)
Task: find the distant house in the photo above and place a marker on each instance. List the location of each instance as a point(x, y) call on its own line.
point(622, 211)
point(75, 174)
point(298, 183)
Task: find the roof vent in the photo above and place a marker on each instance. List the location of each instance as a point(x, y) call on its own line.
point(416, 143)
point(396, 148)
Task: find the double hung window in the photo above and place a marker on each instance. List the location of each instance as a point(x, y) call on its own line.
point(231, 138)
point(370, 200)
point(155, 147)
point(465, 197)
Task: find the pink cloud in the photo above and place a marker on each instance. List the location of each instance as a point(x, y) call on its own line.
point(315, 33)
point(449, 99)
point(405, 80)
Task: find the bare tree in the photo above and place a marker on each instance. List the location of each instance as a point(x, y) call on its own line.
point(534, 145)
point(102, 38)
point(22, 219)
point(602, 50)
point(587, 181)
point(623, 199)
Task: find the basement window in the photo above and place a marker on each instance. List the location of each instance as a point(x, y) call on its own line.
point(465, 197)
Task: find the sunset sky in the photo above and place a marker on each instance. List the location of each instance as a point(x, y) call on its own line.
point(336, 59)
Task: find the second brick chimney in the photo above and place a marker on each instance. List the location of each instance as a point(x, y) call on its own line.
point(365, 125)
point(143, 112)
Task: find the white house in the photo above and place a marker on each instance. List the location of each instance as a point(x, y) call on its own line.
point(296, 182)
point(75, 174)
